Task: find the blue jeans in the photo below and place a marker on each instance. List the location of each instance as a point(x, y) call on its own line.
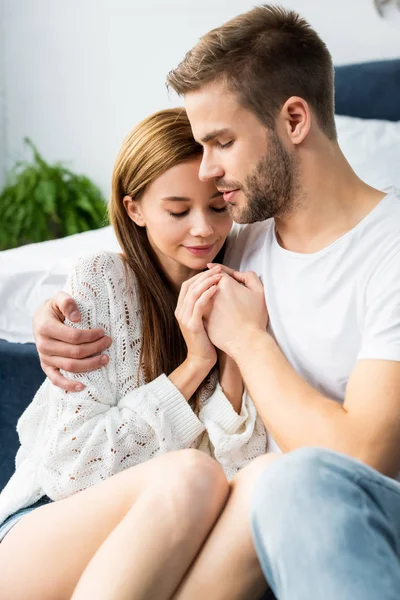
point(327, 526)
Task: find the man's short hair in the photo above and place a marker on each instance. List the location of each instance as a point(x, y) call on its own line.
point(265, 56)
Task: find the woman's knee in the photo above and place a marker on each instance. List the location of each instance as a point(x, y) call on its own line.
point(190, 475)
point(199, 476)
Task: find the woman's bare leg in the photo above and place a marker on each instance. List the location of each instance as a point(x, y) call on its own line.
point(227, 567)
point(178, 497)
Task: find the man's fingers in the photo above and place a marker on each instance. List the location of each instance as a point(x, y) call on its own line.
point(48, 348)
point(64, 333)
point(223, 267)
point(60, 381)
point(247, 278)
point(66, 305)
point(72, 365)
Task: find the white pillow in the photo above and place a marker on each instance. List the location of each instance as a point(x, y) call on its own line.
point(31, 274)
point(372, 148)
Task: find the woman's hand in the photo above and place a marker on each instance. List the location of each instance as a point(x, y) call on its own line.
point(193, 301)
point(230, 380)
point(62, 347)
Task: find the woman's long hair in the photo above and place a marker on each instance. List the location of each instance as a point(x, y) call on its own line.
point(158, 143)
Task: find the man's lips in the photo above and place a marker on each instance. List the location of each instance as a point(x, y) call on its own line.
point(228, 195)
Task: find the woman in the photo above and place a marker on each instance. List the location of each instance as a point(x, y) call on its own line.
point(96, 517)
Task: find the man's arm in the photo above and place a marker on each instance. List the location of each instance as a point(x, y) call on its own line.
point(366, 427)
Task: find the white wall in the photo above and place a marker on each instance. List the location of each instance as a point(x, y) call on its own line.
point(76, 76)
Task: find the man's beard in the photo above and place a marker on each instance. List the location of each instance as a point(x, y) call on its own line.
point(271, 188)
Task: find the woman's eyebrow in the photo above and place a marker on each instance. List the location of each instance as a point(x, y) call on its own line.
point(174, 198)
point(185, 199)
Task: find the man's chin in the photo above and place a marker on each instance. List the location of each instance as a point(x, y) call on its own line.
point(241, 216)
point(237, 216)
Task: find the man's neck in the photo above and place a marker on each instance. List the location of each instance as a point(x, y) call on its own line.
point(331, 200)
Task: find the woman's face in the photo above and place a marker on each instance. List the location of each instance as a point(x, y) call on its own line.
point(186, 220)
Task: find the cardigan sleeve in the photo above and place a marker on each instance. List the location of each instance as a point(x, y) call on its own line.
point(112, 424)
point(236, 439)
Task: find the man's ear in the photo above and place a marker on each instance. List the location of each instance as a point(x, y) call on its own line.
point(296, 116)
point(132, 207)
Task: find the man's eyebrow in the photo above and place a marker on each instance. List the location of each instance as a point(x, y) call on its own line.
point(185, 199)
point(213, 134)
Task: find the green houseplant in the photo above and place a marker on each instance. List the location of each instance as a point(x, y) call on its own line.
point(42, 202)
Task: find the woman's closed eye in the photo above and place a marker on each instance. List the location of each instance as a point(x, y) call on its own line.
point(186, 212)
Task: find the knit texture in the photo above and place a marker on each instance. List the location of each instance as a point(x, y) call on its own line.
point(70, 441)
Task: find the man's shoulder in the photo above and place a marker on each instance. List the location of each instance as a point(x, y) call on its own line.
point(245, 244)
point(380, 231)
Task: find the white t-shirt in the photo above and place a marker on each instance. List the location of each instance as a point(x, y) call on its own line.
point(333, 307)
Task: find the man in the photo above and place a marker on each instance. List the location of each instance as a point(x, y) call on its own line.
point(325, 376)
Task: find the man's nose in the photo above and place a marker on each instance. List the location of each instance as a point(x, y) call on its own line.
point(209, 169)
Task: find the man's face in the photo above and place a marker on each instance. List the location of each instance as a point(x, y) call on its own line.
point(246, 160)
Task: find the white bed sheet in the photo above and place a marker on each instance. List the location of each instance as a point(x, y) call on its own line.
point(31, 274)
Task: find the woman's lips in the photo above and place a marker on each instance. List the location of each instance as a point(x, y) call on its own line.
point(200, 250)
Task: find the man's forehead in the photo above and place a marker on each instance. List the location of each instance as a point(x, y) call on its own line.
point(209, 111)
point(212, 96)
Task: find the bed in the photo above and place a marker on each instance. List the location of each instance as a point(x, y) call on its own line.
point(368, 121)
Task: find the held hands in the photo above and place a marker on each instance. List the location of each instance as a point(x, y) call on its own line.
point(193, 302)
point(62, 347)
point(237, 311)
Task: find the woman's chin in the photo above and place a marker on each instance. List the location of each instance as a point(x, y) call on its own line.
point(198, 265)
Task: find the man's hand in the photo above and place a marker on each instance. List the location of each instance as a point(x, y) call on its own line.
point(62, 347)
point(238, 308)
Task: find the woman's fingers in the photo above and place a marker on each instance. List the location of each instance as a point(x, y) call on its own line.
point(189, 285)
point(194, 293)
point(202, 303)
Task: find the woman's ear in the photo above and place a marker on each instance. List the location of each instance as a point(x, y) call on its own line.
point(132, 207)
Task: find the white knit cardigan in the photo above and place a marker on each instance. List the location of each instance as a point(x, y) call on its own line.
point(73, 440)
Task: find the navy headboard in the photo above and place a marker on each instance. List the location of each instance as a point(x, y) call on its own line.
point(369, 90)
